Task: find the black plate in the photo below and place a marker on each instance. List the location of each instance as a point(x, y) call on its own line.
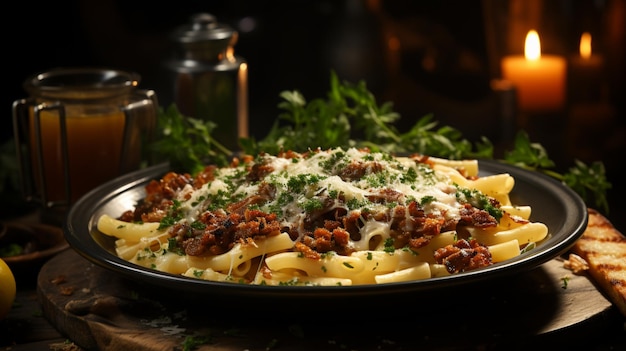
point(553, 203)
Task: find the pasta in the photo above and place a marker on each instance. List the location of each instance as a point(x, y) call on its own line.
point(325, 217)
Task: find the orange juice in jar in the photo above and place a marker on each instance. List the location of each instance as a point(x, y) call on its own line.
point(78, 129)
point(94, 146)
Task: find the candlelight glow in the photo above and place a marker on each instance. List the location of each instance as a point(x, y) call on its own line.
point(539, 79)
point(532, 46)
point(242, 101)
point(585, 45)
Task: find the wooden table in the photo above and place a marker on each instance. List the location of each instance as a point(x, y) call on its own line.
point(74, 305)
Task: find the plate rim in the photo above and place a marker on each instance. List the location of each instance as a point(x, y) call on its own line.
point(80, 223)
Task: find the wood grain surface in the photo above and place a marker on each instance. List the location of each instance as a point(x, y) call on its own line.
point(98, 309)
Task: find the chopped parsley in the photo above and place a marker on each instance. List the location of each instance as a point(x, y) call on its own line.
point(298, 183)
point(427, 199)
point(312, 204)
point(389, 246)
point(193, 342)
point(354, 203)
point(198, 225)
point(479, 200)
point(410, 176)
point(197, 273)
point(378, 179)
point(173, 246)
point(565, 281)
point(336, 160)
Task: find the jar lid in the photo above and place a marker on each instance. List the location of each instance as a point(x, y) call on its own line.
point(203, 27)
point(89, 82)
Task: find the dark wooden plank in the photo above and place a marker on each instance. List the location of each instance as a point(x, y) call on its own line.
point(24, 319)
point(99, 310)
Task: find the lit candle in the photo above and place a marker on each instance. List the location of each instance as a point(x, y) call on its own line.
point(586, 77)
point(242, 101)
point(538, 79)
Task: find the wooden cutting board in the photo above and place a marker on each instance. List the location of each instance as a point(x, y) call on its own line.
point(98, 309)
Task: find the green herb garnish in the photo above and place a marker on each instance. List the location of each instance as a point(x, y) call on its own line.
point(588, 181)
point(350, 116)
point(193, 342)
point(186, 142)
point(11, 249)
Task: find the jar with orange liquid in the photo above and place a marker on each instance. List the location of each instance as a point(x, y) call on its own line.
point(79, 128)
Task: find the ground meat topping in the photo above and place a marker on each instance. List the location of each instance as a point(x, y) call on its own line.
point(332, 225)
point(463, 256)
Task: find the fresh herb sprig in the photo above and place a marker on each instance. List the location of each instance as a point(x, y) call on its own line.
point(588, 181)
point(186, 142)
point(350, 117)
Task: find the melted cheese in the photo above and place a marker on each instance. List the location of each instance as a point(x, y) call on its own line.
point(303, 183)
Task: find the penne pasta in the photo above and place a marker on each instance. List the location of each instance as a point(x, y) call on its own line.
point(420, 271)
point(326, 217)
point(519, 211)
point(131, 232)
point(524, 234)
point(504, 251)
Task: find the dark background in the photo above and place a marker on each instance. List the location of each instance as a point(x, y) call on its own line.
point(444, 61)
point(293, 45)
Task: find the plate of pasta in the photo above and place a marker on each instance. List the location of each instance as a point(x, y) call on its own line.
point(326, 223)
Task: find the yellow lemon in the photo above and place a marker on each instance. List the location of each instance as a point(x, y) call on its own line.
point(7, 289)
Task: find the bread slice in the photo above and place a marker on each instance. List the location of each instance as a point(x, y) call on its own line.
point(604, 249)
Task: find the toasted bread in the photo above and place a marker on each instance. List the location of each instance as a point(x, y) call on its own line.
point(604, 249)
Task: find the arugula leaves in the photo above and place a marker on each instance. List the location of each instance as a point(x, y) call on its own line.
point(349, 116)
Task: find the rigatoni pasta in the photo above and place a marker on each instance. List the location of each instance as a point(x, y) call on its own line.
point(325, 217)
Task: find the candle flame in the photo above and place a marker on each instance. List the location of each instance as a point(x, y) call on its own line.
point(585, 45)
point(532, 46)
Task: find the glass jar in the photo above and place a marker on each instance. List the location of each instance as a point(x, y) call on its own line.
point(206, 80)
point(79, 128)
